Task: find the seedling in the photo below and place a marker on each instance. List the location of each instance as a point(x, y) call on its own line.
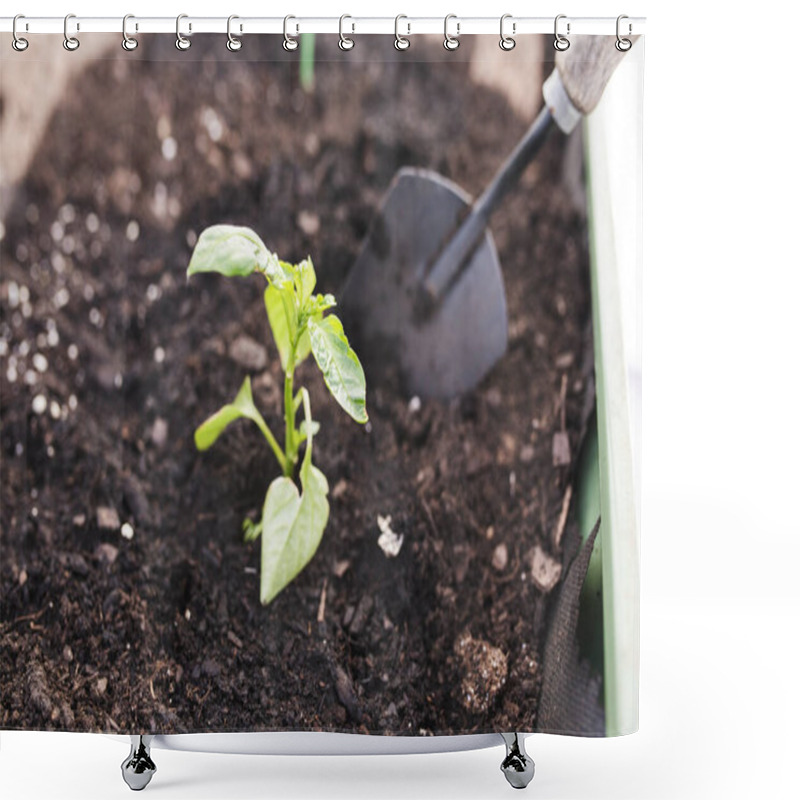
point(292, 522)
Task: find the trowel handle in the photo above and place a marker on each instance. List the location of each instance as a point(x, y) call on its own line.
point(574, 88)
point(586, 67)
point(448, 264)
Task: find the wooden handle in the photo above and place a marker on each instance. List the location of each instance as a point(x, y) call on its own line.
point(586, 68)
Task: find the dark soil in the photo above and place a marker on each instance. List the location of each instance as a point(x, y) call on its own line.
point(164, 631)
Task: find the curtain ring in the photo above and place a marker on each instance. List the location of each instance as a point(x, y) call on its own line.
point(401, 42)
point(345, 43)
point(128, 42)
point(71, 43)
point(289, 42)
point(181, 42)
point(18, 43)
point(233, 44)
point(623, 45)
point(560, 43)
point(506, 42)
point(451, 42)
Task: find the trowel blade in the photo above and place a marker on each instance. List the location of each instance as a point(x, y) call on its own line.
point(447, 351)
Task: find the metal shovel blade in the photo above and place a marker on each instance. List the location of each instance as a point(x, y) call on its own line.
point(448, 349)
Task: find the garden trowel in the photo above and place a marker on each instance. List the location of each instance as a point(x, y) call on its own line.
point(426, 294)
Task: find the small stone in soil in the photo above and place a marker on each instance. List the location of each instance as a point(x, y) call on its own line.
point(136, 498)
point(462, 555)
point(79, 520)
point(37, 689)
point(101, 686)
point(74, 562)
point(39, 404)
point(308, 222)
point(107, 518)
point(211, 668)
point(106, 553)
point(545, 570)
point(483, 668)
point(494, 397)
point(500, 557)
point(340, 567)
point(242, 167)
point(160, 432)
point(127, 531)
point(311, 144)
point(388, 541)
point(169, 149)
point(508, 448)
point(361, 614)
point(345, 692)
point(561, 455)
point(565, 360)
point(248, 353)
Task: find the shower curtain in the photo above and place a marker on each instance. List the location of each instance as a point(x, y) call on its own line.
point(193, 542)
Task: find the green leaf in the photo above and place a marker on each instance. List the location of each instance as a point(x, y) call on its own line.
point(303, 347)
point(320, 302)
point(292, 524)
point(284, 272)
point(340, 366)
point(306, 280)
point(284, 325)
point(251, 530)
point(304, 429)
point(242, 406)
point(274, 302)
point(231, 250)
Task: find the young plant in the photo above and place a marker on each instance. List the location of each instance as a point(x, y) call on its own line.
point(292, 522)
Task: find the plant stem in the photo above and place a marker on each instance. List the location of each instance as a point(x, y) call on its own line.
point(288, 411)
point(273, 443)
point(307, 61)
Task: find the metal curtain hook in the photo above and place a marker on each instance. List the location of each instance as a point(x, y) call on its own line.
point(623, 45)
point(506, 42)
point(71, 43)
point(345, 43)
point(400, 42)
point(128, 42)
point(451, 42)
point(289, 42)
point(181, 42)
point(18, 43)
point(560, 42)
point(233, 44)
